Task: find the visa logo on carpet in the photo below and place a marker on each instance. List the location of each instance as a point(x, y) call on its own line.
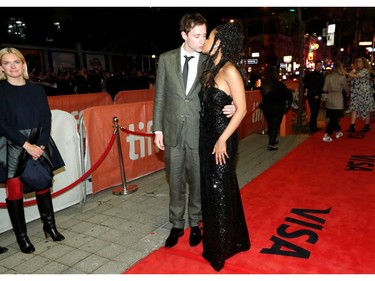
point(361, 163)
point(291, 249)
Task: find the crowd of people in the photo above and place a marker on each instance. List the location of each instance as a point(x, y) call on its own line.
point(82, 81)
point(351, 88)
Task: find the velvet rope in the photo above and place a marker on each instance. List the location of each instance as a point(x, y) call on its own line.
point(83, 177)
point(137, 133)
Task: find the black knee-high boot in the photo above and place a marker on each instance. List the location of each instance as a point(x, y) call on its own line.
point(3, 250)
point(47, 215)
point(17, 217)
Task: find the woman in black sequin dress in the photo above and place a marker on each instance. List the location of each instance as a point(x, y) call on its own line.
point(224, 226)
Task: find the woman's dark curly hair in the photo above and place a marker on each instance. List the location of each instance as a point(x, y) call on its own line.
point(231, 37)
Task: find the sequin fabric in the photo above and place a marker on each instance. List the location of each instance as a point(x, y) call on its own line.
point(224, 227)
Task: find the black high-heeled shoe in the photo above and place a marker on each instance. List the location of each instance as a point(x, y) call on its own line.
point(3, 250)
point(17, 217)
point(272, 148)
point(351, 128)
point(366, 128)
point(50, 230)
point(47, 215)
point(25, 244)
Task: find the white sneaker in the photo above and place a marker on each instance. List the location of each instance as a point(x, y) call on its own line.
point(327, 139)
point(339, 135)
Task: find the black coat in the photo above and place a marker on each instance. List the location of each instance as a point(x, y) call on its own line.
point(24, 109)
point(274, 101)
point(314, 82)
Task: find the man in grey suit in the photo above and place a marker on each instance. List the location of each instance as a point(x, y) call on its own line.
point(176, 117)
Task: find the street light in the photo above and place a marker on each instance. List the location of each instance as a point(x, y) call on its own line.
point(365, 43)
point(369, 43)
point(288, 60)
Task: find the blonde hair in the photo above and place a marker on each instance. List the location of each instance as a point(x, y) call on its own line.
point(365, 62)
point(339, 68)
point(13, 51)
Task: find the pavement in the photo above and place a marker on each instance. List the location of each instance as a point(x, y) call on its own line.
point(109, 233)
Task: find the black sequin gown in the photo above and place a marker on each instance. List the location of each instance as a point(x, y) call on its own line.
point(224, 227)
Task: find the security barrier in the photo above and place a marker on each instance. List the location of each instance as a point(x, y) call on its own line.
point(75, 104)
point(139, 153)
point(134, 96)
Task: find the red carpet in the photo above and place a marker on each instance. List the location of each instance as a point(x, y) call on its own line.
point(311, 212)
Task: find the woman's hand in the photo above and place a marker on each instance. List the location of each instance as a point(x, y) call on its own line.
point(220, 151)
point(32, 149)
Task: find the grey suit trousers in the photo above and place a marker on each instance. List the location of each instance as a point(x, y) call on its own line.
point(182, 166)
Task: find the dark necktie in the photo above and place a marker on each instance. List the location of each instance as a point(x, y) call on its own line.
point(185, 71)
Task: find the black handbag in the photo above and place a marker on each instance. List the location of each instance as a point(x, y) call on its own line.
point(37, 174)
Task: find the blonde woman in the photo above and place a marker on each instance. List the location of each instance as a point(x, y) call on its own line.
point(361, 98)
point(334, 84)
point(25, 126)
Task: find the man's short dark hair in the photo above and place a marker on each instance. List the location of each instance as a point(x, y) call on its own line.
point(189, 21)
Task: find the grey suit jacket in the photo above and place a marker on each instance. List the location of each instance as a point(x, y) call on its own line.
point(173, 109)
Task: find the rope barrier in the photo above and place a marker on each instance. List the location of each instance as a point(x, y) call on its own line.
point(136, 133)
point(83, 177)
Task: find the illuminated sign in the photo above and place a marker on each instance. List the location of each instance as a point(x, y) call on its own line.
point(331, 39)
point(331, 28)
point(252, 61)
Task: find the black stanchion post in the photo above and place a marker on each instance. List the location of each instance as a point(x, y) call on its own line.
point(124, 188)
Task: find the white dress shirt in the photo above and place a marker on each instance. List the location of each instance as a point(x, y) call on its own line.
point(193, 67)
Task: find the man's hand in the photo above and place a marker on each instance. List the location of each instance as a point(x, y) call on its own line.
point(229, 110)
point(158, 141)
